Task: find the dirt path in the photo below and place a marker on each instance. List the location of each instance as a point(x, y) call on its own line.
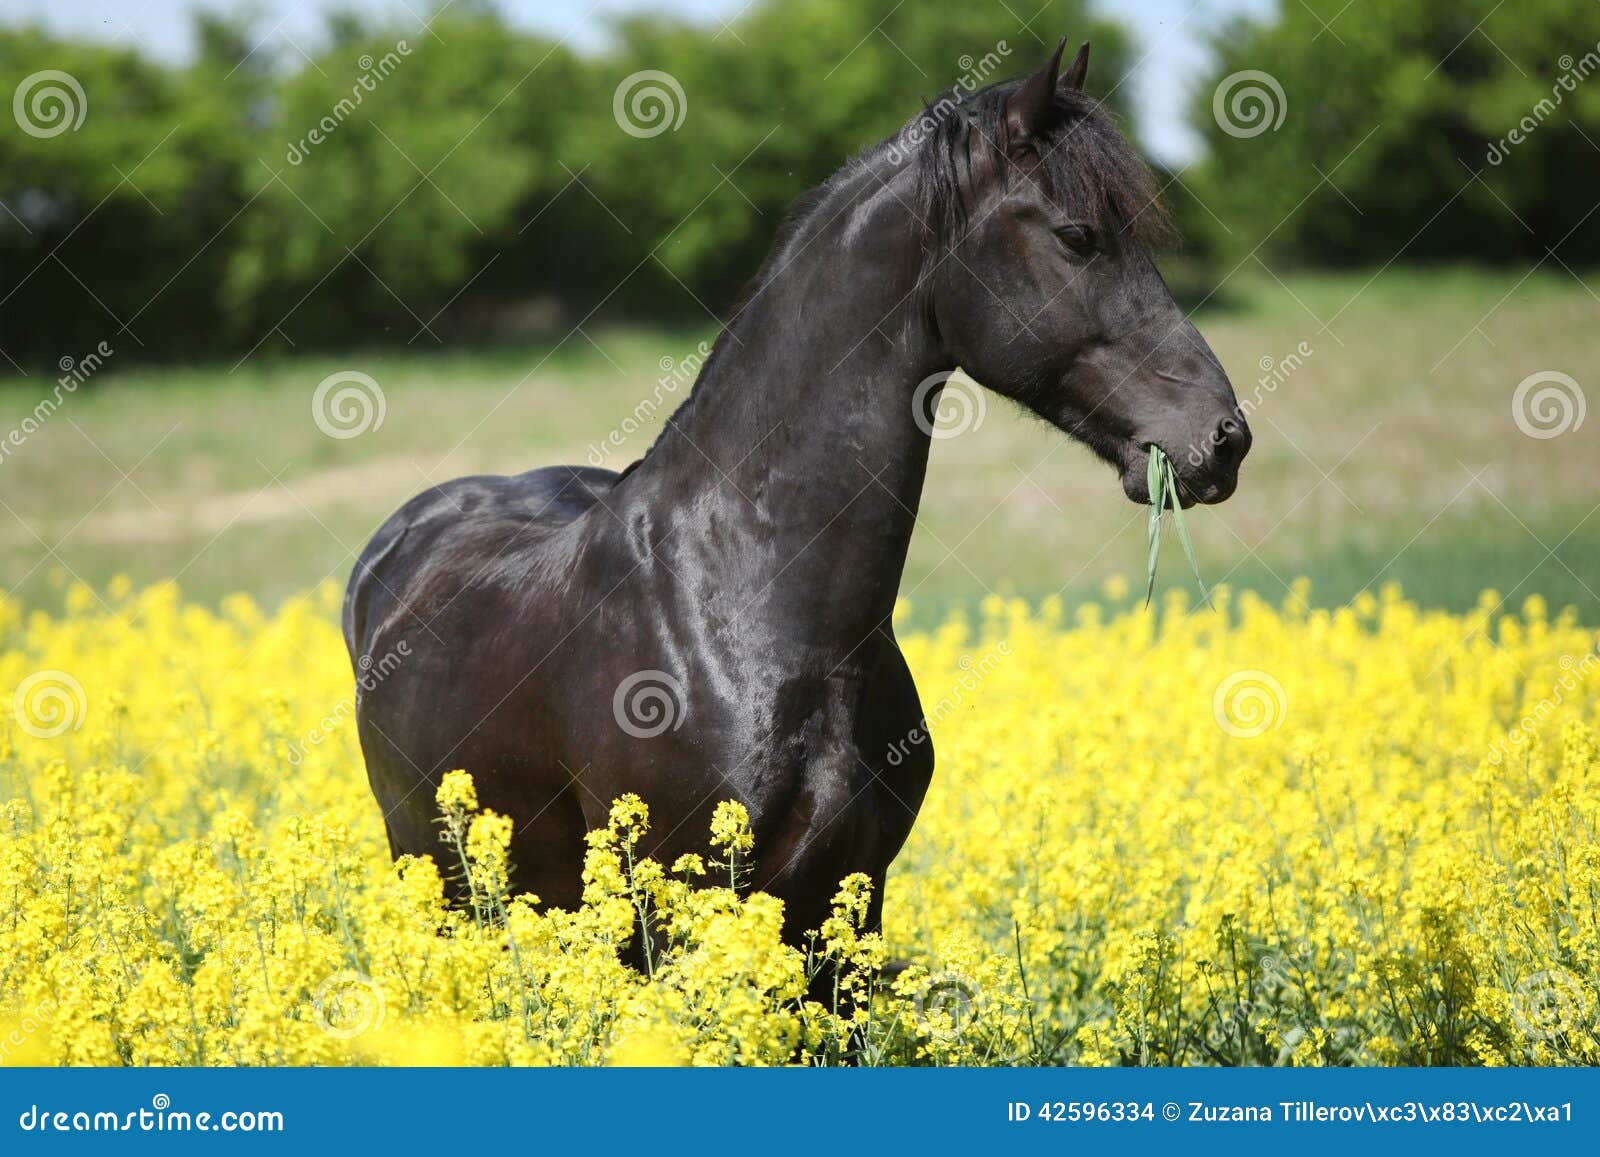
point(376, 487)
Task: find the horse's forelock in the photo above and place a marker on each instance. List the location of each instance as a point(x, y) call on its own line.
point(1089, 167)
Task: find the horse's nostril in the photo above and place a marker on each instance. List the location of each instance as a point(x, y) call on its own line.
point(1232, 438)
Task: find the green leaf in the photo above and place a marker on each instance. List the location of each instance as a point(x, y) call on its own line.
point(1154, 487)
point(1183, 536)
point(1161, 480)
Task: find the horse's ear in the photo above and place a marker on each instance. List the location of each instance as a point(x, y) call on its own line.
point(1031, 107)
point(1078, 70)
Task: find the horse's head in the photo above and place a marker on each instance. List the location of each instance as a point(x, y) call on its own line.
point(1046, 291)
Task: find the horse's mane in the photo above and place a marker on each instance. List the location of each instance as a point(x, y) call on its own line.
point(1088, 166)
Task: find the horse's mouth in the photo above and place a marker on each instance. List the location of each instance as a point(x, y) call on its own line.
point(1195, 484)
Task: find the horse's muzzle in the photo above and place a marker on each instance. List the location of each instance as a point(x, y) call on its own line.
point(1218, 474)
point(1207, 468)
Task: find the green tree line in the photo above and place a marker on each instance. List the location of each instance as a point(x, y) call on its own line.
point(411, 183)
point(1417, 130)
point(406, 183)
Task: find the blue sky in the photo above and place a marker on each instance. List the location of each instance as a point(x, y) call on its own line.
point(1171, 35)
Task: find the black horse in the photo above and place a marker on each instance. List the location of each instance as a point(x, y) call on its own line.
point(714, 622)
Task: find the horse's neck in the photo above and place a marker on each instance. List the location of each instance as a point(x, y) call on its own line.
point(786, 489)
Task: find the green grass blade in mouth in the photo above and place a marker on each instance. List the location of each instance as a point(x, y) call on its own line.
point(1155, 487)
point(1183, 535)
point(1161, 481)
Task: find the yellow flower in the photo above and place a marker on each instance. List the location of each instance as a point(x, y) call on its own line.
point(456, 791)
point(730, 827)
point(1361, 835)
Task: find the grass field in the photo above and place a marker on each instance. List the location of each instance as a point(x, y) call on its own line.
point(1390, 452)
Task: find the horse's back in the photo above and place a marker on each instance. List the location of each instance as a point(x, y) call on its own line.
point(466, 530)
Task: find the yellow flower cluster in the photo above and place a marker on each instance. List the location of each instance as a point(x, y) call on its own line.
point(1267, 835)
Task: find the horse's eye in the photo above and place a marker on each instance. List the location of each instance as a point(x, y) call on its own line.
point(1080, 239)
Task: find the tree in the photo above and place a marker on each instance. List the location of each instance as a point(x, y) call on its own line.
point(404, 178)
point(784, 96)
point(1397, 130)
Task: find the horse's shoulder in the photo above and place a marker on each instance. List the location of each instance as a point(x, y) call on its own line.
point(582, 485)
point(550, 494)
point(451, 531)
